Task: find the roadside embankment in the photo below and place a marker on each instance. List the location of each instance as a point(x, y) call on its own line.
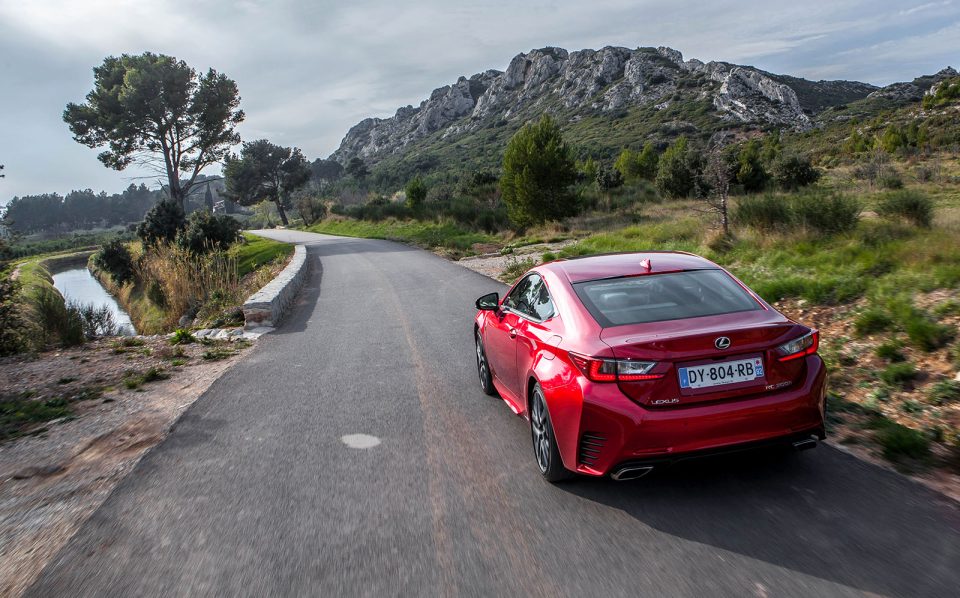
point(266, 307)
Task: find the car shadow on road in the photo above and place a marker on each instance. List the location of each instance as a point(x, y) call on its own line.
point(823, 513)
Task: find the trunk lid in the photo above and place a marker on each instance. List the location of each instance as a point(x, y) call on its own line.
point(692, 343)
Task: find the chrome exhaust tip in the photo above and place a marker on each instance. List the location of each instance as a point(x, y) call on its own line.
point(631, 473)
point(805, 444)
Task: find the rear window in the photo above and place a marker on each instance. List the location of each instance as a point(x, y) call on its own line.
point(659, 297)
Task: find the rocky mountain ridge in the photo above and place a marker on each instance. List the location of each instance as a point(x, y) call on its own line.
point(597, 82)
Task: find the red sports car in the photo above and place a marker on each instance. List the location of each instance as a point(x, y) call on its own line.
point(626, 362)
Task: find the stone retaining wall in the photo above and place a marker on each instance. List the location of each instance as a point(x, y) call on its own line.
point(266, 307)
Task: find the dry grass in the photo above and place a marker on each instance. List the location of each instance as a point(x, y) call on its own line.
point(187, 280)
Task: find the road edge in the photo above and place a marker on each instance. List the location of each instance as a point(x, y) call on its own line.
point(267, 307)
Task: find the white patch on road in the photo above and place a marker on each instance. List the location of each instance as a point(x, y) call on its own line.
point(360, 441)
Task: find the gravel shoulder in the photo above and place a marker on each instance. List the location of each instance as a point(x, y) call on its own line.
point(57, 474)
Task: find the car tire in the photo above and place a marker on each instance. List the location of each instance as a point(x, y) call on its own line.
point(545, 450)
point(483, 367)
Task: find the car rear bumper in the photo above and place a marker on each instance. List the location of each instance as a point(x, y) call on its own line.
point(615, 431)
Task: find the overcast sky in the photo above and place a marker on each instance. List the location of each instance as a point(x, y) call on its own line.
point(308, 70)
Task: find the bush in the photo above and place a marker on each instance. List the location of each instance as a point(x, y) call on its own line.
point(909, 205)
point(182, 336)
point(794, 171)
point(898, 374)
point(205, 232)
point(515, 268)
point(416, 193)
point(59, 323)
point(114, 259)
point(13, 324)
point(763, 212)
point(891, 181)
point(891, 351)
point(310, 208)
point(155, 293)
point(97, 320)
point(945, 392)
point(815, 211)
point(900, 441)
point(926, 334)
point(872, 321)
point(828, 213)
point(162, 223)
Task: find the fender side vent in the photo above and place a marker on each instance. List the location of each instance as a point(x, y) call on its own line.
point(591, 444)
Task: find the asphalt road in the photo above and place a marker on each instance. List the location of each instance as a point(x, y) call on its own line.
point(255, 494)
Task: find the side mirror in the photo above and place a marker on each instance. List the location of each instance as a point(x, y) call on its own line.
point(489, 302)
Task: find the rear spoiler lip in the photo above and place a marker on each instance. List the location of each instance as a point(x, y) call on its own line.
point(636, 274)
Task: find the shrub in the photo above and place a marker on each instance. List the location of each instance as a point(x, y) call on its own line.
point(900, 441)
point(898, 374)
point(872, 321)
point(749, 170)
point(97, 320)
point(162, 223)
point(13, 324)
point(608, 178)
point(181, 336)
point(926, 334)
point(763, 212)
point(114, 259)
point(794, 171)
point(309, 207)
point(515, 268)
point(817, 212)
point(909, 205)
point(205, 232)
point(828, 213)
point(891, 180)
point(891, 351)
point(59, 323)
point(416, 192)
point(945, 392)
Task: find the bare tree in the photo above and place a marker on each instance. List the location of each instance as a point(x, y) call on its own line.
point(717, 176)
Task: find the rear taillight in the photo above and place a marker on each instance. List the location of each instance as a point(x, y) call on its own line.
point(613, 370)
point(799, 347)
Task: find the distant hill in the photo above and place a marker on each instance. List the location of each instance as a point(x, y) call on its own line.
point(606, 99)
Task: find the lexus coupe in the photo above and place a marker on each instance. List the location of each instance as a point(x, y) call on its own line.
point(626, 362)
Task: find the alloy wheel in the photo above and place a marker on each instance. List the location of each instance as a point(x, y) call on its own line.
point(541, 431)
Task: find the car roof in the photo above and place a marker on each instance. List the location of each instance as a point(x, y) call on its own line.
point(612, 265)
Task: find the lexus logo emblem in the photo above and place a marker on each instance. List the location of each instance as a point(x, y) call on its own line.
point(721, 343)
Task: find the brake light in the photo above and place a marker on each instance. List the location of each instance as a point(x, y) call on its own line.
point(612, 370)
point(800, 347)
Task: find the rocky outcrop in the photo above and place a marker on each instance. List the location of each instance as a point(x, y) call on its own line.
point(574, 84)
point(912, 91)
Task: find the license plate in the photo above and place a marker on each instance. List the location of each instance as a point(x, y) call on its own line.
point(724, 372)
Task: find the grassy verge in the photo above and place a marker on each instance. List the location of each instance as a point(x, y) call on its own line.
point(430, 235)
point(258, 251)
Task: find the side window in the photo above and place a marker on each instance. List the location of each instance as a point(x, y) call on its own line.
point(530, 298)
point(518, 296)
point(540, 301)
